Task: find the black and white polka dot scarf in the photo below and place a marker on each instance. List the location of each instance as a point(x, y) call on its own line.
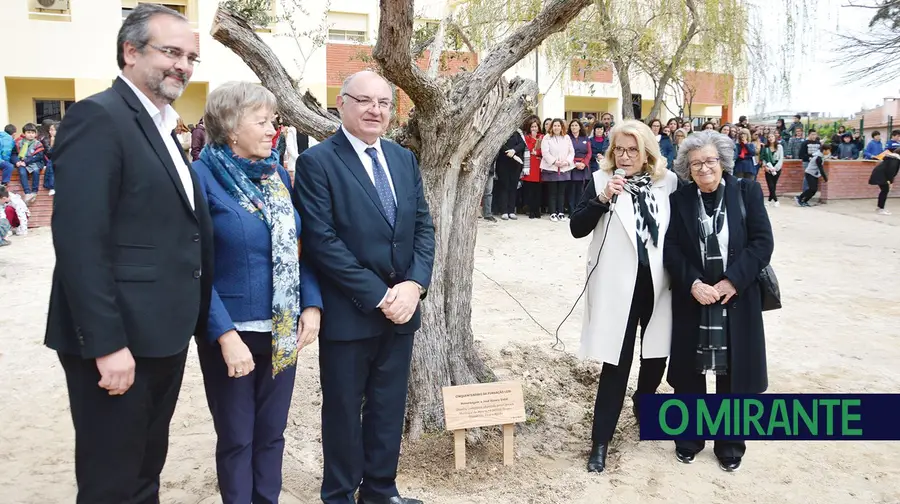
point(645, 207)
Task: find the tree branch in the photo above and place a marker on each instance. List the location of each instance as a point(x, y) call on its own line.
point(676, 59)
point(554, 17)
point(392, 52)
point(237, 35)
point(463, 36)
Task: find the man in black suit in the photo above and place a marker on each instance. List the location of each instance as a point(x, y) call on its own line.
point(133, 242)
point(367, 229)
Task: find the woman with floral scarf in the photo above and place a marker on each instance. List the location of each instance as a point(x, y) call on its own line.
point(265, 303)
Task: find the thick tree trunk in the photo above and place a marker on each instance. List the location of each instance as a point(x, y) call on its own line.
point(669, 73)
point(625, 85)
point(456, 129)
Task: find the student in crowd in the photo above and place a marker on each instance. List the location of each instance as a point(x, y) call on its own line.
point(30, 161)
point(183, 134)
point(487, 196)
point(859, 142)
point(725, 129)
point(772, 158)
point(198, 140)
point(17, 214)
point(874, 147)
point(677, 139)
point(883, 176)
point(531, 178)
point(545, 129)
point(557, 162)
point(509, 164)
point(7, 147)
point(781, 130)
point(808, 149)
point(814, 170)
point(607, 120)
point(599, 143)
point(744, 151)
point(836, 138)
point(794, 144)
point(847, 148)
point(797, 124)
point(5, 226)
point(894, 142)
point(629, 287)
point(47, 136)
point(665, 143)
point(582, 172)
point(713, 255)
point(708, 125)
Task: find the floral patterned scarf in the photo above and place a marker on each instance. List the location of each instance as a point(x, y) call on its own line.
point(258, 188)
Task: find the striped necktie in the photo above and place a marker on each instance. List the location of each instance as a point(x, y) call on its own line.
point(383, 186)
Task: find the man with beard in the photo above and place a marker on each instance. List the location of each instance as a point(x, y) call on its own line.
point(133, 242)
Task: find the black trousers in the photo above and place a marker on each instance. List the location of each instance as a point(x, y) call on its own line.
point(121, 442)
point(505, 189)
point(614, 378)
point(882, 196)
point(772, 182)
point(556, 197)
point(722, 448)
point(372, 375)
point(574, 192)
point(249, 414)
point(533, 198)
point(812, 183)
point(746, 175)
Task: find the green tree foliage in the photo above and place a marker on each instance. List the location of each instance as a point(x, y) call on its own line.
point(256, 12)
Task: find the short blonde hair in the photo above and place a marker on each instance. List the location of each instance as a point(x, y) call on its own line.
point(226, 106)
point(654, 164)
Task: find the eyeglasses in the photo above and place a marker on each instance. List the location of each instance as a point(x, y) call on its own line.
point(176, 54)
point(710, 163)
point(367, 102)
point(632, 151)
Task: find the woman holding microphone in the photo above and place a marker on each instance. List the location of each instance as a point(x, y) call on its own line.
point(627, 286)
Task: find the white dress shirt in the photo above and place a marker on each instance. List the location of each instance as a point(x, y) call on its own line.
point(360, 147)
point(165, 121)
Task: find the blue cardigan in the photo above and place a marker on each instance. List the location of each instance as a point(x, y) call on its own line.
point(242, 287)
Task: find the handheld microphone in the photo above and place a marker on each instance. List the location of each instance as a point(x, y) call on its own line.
point(612, 203)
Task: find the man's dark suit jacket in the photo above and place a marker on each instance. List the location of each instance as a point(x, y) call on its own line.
point(347, 237)
point(133, 260)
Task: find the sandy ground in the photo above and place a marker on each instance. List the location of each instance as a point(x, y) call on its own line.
point(839, 332)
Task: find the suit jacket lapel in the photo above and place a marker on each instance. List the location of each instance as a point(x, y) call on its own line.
point(690, 214)
point(152, 134)
point(345, 152)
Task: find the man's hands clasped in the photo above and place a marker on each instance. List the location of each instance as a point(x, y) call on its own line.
point(401, 302)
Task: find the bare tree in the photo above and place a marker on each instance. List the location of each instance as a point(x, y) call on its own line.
point(868, 58)
point(458, 126)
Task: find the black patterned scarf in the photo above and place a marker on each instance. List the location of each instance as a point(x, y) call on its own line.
point(712, 346)
point(645, 207)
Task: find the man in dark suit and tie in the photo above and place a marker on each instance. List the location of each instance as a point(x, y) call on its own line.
point(133, 242)
point(368, 231)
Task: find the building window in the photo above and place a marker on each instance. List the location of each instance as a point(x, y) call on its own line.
point(50, 109)
point(352, 36)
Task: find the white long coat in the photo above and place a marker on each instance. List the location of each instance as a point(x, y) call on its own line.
point(611, 287)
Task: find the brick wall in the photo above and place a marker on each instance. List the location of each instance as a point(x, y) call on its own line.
point(846, 180)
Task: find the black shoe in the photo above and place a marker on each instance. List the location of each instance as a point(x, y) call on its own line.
point(730, 464)
point(394, 500)
point(684, 456)
point(490, 218)
point(597, 460)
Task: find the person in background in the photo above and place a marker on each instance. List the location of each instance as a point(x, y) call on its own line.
point(883, 176)
point(183, 134)
point(7, 147)
point(557, 161)
point(487, 196)
point(744, 151)
point(47, 137)
point(581, 144)
point(781, 130)
point(836, 138)
point(714, 256)
point(531, 178)
point(797, 124)
point(198, 140)
point(5, 226)
point(794, 144)
point(894, 142)
point(545, 129)
point(629, 287)
point(772, 159)
point(510, 161)
point(607, 119)
point(18, 214)
point(847, 148)
point(30, 161)
point(665, 143)
point(677, 139)
point(599, 143)
point(808, 149)
point(725, 129)
point(874, 147)
point(860, 143)
point(814, 170)
point(708, 125)
point(266, 304)
point(288, 157)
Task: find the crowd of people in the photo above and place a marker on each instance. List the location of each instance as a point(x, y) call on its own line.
point(543, 167)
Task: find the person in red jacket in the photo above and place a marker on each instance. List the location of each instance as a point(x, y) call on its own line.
point(531, 175)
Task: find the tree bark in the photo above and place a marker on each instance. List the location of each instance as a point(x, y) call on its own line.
point(456, 129)
point(625, 84)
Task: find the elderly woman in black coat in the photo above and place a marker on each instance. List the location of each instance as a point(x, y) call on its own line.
point(714, 256)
